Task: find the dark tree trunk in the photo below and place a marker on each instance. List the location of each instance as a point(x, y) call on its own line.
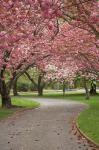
point(40, 91)
point(86, 89)
point(6, 101)
point(15, 92)
point(5, 90)
point(40, 86)
point(93, 88)
point(5, 94)
point(75, 84)
point(64, 86)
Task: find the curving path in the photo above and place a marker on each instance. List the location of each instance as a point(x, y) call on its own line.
point(44, 128)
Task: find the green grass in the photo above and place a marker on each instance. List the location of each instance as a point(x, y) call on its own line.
point(88, 120)
point(5, 113)
point(24, 102)
point(17, 101)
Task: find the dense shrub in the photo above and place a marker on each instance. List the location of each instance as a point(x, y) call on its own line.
point(23, 87)
point(32, 87)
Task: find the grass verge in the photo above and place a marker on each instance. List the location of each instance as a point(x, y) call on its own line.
point(24, 102)
point(17, 101)
point(5, 112)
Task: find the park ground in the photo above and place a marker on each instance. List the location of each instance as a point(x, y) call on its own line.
point(88, 120)
point(20, 104)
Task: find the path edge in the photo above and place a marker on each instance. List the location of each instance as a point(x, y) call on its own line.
point(83, 134)
point(17, 113)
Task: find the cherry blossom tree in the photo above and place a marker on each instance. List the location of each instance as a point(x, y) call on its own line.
point(31, 33)
point(80, 45)
point(23, 26)
point(83, 14)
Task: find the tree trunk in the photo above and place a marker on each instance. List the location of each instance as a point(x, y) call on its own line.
point(5, 90)
point(75, 84)
point(86, 89)
point(6, 101)
point(15, 92)
point(64, 88)
point(93, 88)
point(5, 95)
point(40, 91)
point(87, 94)
point(40, 86)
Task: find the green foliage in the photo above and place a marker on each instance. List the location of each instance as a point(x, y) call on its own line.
point(24, 84)
point(23, 87)
point(32, 87)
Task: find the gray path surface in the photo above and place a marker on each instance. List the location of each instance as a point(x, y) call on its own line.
point(44, 128)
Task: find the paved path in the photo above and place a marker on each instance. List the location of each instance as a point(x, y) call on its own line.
point(44, 128)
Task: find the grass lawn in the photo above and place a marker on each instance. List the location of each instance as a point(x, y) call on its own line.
point(18, 101)
point(88, 120)
point(24, 102)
